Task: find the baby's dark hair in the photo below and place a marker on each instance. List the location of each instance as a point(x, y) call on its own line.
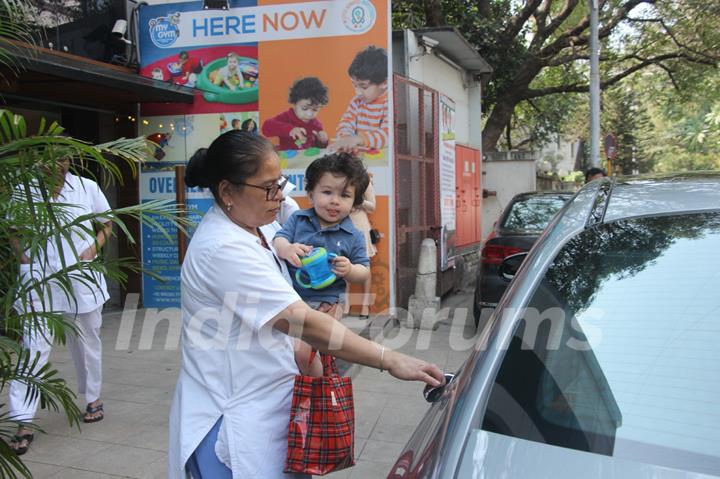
point(339, 164)
point(308, 88)
point(370, 64)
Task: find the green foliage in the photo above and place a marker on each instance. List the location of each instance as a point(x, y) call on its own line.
point(539, 53)
point(28, 217)
point(625, 116)
point(577, 177)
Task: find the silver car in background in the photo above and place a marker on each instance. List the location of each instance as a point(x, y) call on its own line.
point(602, 359)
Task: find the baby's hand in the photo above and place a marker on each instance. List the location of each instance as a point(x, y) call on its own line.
point(322, 137)
point(342, 266)
point(293, 252)
point(348, 144)
point(298, 133)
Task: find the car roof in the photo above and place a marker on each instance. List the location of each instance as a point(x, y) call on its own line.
point(535, 194)
point(666, 194)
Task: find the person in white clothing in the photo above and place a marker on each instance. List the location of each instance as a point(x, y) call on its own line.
point(230, 412)
point(75, 196)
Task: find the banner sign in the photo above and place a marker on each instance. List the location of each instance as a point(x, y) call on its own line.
point(330, 18)
point(285, 70)
point(160, 248)
point(447, 182)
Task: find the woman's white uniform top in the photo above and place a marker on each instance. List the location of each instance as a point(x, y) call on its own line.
point(79, 196)
point(234, 364)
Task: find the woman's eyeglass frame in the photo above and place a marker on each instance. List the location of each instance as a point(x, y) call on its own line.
point(271, 192)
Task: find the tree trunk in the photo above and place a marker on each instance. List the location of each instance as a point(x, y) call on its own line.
point(506, 102)
point(495, 125)
point(434, 13)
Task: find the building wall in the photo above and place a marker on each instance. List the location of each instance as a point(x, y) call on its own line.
point(432, 71)
point(435, 72)
point(562, 153)
point(507, 178)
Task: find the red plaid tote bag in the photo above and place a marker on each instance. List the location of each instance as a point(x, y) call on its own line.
point(321, 435)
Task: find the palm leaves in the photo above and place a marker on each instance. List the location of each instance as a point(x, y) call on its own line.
point(29, 219)
point(15, 26)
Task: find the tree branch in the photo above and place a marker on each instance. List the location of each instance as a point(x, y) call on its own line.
point(569, 58)
point(540, 16)
point(433, 13)
point(483, 7)
point(516, 22)
point(522, 143)
point(581, 88)
point(670, 75)
point(566, 11)
point(670, 33)
point(573, 37)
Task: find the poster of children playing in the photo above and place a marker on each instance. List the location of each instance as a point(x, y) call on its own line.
point(312, 76)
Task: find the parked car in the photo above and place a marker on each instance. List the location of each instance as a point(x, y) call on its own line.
point(517, 229)
point(602, 360)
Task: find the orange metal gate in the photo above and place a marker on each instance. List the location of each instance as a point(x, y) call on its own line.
point(417, 205)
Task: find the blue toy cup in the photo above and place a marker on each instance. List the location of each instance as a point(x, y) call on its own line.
point(317, 266)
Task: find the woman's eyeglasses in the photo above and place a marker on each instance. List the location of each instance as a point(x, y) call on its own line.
point(271, 192)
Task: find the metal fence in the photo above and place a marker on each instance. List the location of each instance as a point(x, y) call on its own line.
point(417, 206)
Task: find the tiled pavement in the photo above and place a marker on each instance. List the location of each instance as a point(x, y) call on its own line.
point(138, 386)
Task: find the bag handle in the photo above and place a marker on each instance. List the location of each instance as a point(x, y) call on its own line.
point(328, 363)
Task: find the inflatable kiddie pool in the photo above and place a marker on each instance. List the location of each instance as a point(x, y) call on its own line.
point(222, 94)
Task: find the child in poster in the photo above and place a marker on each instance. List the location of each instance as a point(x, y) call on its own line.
point(365, 122)
point(298, 128)
point(230, 75)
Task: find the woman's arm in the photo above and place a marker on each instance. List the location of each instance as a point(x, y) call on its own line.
point(15, 243)
point(100, 239)
point(328, 335)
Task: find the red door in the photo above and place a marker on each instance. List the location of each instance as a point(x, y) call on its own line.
point(468, 173)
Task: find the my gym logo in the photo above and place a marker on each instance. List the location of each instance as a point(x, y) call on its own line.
point(359, 16)
point(164, 31)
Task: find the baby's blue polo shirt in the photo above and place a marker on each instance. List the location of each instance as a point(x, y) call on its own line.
point(343, 239)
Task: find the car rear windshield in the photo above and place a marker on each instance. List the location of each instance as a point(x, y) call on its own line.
point(532, 214)
point(618, 352)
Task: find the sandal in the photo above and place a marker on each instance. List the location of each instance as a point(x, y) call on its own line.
point(17, 439)
point(94, 410)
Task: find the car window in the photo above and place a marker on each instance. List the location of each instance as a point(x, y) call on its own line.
point(533, 213)
point(618, 351)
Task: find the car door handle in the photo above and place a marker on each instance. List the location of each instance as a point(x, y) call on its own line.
point(432, 394)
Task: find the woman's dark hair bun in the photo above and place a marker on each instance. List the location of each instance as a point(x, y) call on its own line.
point(196, 172)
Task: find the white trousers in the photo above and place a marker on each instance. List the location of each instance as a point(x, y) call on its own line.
point(86, 351)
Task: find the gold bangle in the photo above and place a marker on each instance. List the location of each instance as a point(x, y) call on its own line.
point(382, 356)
